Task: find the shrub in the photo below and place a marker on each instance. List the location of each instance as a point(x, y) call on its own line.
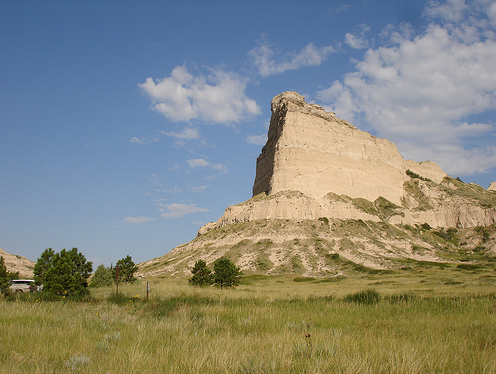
point(202, 275)
point(102, 277)
point(367, 297)
point(5, 277)
point(226, 273)
point(64, 273)
point(127, 268)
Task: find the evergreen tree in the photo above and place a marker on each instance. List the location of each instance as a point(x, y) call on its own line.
point(5, 277)
point(63, 273)
point(41, 266)
point(127, 268)
point(102, 277)
point(226, 273)
point(202, 275)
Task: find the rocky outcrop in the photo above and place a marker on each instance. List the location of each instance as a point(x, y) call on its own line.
point(316, 165)
point(326, 192)
point(16, 263)
point(312, 151)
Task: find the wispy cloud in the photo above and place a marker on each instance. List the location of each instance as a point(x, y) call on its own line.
point(420, 90)
point(187, 134)
point(202, 163)
point(218, 97)
point(138, 220)
point(257, 139)
point(143, 140)
point(358, 40)
point(269, 62)
point(180, 210)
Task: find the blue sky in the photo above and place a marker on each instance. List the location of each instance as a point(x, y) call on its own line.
point(126, 125)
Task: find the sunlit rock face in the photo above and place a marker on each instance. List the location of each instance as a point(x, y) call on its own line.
point(314, 152)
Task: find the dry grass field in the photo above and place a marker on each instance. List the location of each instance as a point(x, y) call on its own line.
point(432, 320)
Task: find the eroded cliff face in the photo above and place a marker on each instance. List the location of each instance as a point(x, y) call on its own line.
point(325, 190)
point(314, 152)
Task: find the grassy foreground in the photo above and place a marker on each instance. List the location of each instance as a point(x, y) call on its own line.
point(409, 324)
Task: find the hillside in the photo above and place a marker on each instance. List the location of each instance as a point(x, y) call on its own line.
point(18, 263)
point(329, 199)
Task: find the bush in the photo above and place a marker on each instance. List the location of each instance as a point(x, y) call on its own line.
point(5, 277)
point(368, 297)
point(102, 277)
point(127, 268)
point(63, 273)
point(202, 275)
point(226, 273)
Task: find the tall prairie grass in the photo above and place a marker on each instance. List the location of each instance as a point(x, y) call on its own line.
point(267, 325)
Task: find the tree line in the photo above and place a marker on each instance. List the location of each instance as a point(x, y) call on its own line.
point(66, 273)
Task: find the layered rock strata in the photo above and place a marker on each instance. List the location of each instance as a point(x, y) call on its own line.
point(314, 152)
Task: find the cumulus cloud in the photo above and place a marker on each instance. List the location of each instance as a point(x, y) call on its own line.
point(268, 62)
point(420, 90)
point(218, 97)
point(138, 220)
point(356, 41)
point(180, 210)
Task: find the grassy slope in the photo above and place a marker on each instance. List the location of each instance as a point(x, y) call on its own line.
point(310, 245)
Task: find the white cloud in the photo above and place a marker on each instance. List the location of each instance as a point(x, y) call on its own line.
point(420, 90)
point(357, 42)
point(138, 220)
point(180, 210)
point(257, 139)
point(143, 140)
point(263, 57)
point(197, 162)
point(219, 97)
point(187, 134)
point(200, 162)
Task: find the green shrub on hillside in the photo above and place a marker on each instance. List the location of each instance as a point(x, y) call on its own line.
point(226, 273)
point(202, 275)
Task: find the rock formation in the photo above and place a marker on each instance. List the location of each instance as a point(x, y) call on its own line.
point(325, 188)
point(19, 264)
point(312, 151)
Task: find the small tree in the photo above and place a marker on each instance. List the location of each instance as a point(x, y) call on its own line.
point(5, 277)
point(226, 273)
point(63, 273)
point(102, 277)
point(127, 268)
point(41, 266)
point(202, 275)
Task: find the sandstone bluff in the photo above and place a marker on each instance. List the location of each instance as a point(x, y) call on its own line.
point(329, 197)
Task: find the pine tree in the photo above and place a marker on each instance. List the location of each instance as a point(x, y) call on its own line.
point(102, 277)
point(5, 277)
point(127, 268)
point(63, 273)
point(226, 273)
point(202, 275)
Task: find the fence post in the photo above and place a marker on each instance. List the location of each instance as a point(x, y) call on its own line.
point(147, 289)
point(117, 279)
